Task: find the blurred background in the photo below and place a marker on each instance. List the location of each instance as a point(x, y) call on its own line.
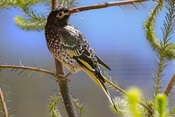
point(117, 36)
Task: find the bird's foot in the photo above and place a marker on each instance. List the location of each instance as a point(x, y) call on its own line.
point(61, 77)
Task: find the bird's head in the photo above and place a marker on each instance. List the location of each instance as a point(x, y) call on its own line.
point(59, 17)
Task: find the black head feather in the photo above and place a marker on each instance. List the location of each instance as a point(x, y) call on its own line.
point(58, 17)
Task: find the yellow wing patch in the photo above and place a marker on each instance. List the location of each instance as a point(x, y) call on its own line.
point(72, 53)
point(86, 64)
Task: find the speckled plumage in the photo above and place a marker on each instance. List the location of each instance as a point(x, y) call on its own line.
point(68, 45)
point(65, 39)
point(56, 45)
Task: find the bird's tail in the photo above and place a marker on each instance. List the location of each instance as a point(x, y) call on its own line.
point(97, 79)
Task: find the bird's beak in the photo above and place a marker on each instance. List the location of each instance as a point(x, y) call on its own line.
point(71, 11)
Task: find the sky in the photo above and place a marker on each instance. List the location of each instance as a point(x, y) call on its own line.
point(115, 33)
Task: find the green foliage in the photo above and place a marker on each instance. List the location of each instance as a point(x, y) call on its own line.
point(129, 106)
point(133, 95)
point(149, 26)
point(150, 31)
point(31, 21)
point(109, 87)
point(79, 106)
point(121, 105)
point(165, 46)
point(172, 112)
point(30, 24)
point(53, 105)
point(68, 3)
point(112, 79)
point(16, 3)
point(160, 65)
point(54, 109)
point(161, 106)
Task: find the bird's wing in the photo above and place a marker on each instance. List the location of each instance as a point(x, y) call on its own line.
point(78, 48)
point(77, 41)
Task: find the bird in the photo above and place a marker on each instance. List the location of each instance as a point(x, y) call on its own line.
point(69, 46)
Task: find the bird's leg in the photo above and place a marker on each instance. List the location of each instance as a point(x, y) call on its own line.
point(64, 77)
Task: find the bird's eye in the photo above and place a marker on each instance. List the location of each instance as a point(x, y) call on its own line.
point(60, 15)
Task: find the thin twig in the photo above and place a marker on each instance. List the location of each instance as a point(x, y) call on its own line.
point(107, 4)
point(115, 86)
point(3, 104)
point(169, 86)
point(125, 93)
point(29, 68)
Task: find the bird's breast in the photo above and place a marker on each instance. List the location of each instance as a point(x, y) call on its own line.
point(54, 43)
point(53, 40)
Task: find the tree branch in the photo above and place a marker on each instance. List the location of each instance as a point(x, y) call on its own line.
point(107, 4)
point(65, 92)
point(29, 68)
point(63, 84)
point(169, 86)
point(3, 104)
point(55, 4)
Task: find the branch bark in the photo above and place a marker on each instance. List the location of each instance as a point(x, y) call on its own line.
point(65, 92)
point(169, 86)
point(107, 4)
point(63, 84)
point(55, 4)
point(4, 107)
